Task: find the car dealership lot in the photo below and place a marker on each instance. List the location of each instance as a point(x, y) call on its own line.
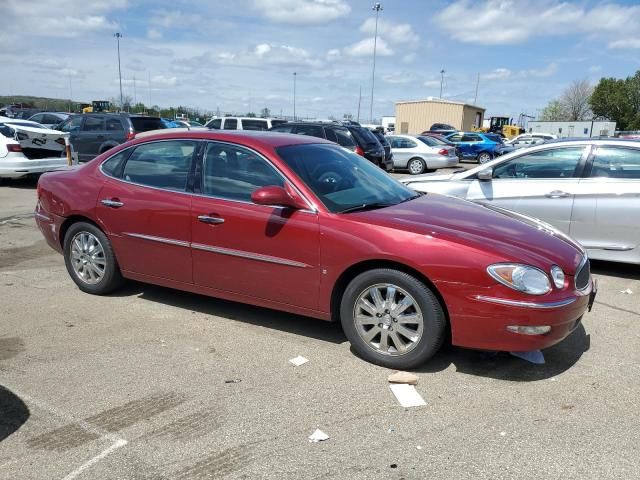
point(134, 385)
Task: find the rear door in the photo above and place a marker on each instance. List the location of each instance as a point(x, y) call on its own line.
point(606, 213)
point(541, 184)
point(271, 253)
point(145, 210)
point(90, 137)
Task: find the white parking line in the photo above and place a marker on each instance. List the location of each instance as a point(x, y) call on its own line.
point(118, 441)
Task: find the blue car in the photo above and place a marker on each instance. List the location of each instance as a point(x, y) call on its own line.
point(481, 147)
point(170, 123)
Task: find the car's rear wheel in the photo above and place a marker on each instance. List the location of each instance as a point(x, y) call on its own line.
point(416, 166)
point(392, 319)
point(90, 260)
point(484, 157)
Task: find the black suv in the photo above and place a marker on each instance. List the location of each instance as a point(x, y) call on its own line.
point(94, 133)
point(379, 134)
point(354, 137)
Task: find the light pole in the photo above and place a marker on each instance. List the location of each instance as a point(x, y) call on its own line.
point(118, 37)
point(377, 7)
point(294, 95)
point(441, 82)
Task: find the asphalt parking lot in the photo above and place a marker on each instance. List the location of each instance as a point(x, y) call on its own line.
point(150, 383)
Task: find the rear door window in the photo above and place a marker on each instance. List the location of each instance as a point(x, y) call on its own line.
point(256, 124)
point(283, 128)
point(215, 123)
point(72, 124)
point(551, 164)
point(311, 130)
point(230, 124)
point(146, 124)
point(344, 138)
point(616, 162)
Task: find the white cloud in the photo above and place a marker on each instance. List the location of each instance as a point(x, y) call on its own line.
point(174, 19)
point(394, 33)
point(629, 43)
point(364, 48)
point(499, 22)
point(302, 12)
point(497, 74)
point(268, 54)
point(161, 80)
point(547, 71)
point(398, 78)
point(154, 34)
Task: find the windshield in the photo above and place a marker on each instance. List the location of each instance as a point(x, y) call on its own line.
point(342, 179)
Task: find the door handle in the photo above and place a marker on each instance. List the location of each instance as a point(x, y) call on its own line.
point(557, 194)
point(210, 220)
point(112, 203)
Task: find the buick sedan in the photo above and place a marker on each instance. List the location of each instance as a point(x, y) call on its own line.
point(302, 225)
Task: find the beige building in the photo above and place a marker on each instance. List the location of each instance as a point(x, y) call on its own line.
point(416, 116)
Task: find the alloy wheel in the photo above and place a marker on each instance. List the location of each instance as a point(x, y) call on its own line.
point(416, 167)
point(388, 319)
point(87, 258)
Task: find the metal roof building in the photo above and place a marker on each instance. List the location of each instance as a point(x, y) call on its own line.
point(416, 116)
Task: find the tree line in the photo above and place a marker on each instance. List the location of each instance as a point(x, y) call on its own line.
point(615, 99)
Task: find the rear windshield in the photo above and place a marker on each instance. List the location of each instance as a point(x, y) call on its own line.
point(493, 137)
point(145, 124)
point(363, 136)
point(7, 131)
point(277, 122)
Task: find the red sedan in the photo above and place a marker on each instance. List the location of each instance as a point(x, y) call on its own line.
point(302, 225)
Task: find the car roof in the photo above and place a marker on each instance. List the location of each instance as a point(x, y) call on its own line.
point(257, 138)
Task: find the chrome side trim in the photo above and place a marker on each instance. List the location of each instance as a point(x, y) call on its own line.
point(523, 304)
point(179, 243)
point(251, 256)
point(613, 248)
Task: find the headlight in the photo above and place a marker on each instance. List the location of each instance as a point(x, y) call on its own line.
point(524, 278)
point(558, 276)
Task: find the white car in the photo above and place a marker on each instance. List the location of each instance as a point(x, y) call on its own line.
point(242, 123)
point(417, 154)
point(22, 152)
point(529, 139)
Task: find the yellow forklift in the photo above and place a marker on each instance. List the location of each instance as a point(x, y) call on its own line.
point(97, 106)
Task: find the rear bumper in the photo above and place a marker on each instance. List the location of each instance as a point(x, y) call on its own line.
point(16, 168)
point(444, 162)
point(480, 319)
point(49, 224)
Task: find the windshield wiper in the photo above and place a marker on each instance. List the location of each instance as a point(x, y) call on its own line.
point(413, 197)
point(365, 206)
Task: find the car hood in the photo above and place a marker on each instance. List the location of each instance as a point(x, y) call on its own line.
point(507, 235)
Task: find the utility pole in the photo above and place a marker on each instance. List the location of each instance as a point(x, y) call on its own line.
point(294, 95)
point(135, 94)
point(118, 37)
point(359, 101)
point(70, 94)
point(475, 99)
point(149, 88)
point(377, 7)
point(441, 82)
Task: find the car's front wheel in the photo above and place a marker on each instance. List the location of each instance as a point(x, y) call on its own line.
point(416, 166)
point(90, 260)
point(484, 157)
point(392, 319)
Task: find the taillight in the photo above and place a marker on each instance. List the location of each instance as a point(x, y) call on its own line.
point(360, 151)
point(60, 141)
point(14, 147)
point(444, 151)
point(131, 136)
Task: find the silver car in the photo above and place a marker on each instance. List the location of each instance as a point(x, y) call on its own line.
point(418, 156)
point(588, 189)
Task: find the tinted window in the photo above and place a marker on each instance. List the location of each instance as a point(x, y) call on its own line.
point(311, 130)
point(494, 138)
point(616, 163)
point(277, 122)
point(160, 164)
point(283, 128)
point(93, 124)
point(342, 179)
point(37, 118)
point(471, 138)
point(50, 119)
point(146, 124)
point(363, 136)
point(230, 124)
point(256, 124)
point(430, 141)
point(556, 163)
point(113, 166)
point(113, 124)
point(7, 131)
point(215, 123)
point(72, 124)
point(344, 138)
point(235, 173)
point(330, 134)
point(456, 137)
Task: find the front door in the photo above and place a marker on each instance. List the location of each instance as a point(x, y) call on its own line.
point(540, 184)
point(260, 251)
point(145, 210)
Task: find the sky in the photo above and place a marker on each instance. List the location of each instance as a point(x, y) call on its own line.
point(241, 55)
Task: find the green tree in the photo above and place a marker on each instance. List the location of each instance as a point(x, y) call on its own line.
point(265, 112)
point(554, 112)
point(618, 100)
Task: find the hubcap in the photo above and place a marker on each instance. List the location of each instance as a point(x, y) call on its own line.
point(484, 158)
point(415, 166)
point(388, 319)
point(87, 258)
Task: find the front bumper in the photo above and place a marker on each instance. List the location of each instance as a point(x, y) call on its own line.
point(479, 320)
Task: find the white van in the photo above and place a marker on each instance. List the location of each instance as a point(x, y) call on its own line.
point(243, 123)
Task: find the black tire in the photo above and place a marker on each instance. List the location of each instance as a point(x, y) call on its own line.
point(416, 170)
point(111, 278)
point(434, 320)
point(484, 157)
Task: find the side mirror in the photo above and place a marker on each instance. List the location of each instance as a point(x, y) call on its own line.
point(485, 174)
point(277, 196)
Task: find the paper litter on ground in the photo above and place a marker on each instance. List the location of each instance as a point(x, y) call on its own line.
point(403, 377)
point(318, 436)
point(407, 395)
point(535, 356)
point(299, 360)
